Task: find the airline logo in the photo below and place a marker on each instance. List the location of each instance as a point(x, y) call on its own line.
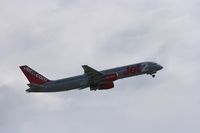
point(35, 74)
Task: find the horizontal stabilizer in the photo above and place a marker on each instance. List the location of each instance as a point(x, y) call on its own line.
point(32, 85)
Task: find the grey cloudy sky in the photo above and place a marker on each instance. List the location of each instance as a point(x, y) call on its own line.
point(56, 37)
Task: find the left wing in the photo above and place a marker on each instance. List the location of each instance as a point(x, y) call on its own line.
point(93, 75)
point(99, 80)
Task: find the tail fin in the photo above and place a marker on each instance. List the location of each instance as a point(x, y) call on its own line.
point(33, 76)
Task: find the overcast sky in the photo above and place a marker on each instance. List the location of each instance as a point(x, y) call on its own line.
point(56, 37)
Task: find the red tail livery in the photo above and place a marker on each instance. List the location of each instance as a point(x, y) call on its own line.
point(33, 76)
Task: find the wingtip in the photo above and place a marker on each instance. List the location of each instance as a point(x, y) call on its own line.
point(84, 66)
point(22, 66)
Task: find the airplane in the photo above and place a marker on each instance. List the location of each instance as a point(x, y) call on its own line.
point(96, 80)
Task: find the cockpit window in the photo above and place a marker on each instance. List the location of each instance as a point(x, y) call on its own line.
point(143, 65)
point(152, 64)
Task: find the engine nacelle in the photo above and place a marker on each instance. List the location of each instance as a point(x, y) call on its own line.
point(106, 86)
point(111, 77)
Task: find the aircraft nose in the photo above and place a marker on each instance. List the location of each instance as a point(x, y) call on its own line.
point(160, 67)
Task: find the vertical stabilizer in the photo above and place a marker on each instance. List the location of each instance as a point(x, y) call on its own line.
point(33, 76)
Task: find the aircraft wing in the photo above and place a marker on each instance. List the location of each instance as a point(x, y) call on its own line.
point(93, 75)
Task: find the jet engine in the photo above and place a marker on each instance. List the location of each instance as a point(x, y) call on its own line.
point(105, 82)
point(106, 86)
point(111, 77)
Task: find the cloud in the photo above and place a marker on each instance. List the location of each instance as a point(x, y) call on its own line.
point(57, 37)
